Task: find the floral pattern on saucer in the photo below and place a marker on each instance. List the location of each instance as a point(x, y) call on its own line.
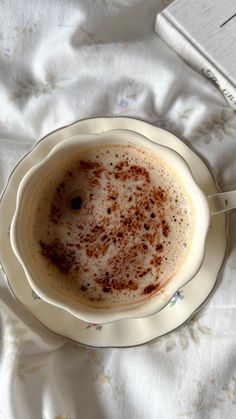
point(124, 333)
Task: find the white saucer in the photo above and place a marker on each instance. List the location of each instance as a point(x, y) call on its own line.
point(126, 332)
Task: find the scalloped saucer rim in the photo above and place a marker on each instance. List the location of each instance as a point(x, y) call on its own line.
point(124, 333)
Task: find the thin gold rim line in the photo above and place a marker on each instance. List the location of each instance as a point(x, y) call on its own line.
point(156, 338)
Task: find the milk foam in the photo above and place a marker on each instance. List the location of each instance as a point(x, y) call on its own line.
point(112, 227)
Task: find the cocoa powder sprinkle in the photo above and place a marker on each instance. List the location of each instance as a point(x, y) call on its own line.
point(140, 226)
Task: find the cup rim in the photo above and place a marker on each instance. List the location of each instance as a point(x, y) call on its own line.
point(105, 315)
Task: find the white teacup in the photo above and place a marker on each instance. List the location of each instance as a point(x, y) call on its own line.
point(202, 208)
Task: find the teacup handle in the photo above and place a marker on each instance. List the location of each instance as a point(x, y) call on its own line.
point(222, 202)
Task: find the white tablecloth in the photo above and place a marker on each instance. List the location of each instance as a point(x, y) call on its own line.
point(61, 61)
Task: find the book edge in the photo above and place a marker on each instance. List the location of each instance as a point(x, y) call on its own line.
point(173, 22)
point(197, 61)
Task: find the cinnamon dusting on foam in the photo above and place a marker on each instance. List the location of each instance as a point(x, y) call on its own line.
point(112, 228)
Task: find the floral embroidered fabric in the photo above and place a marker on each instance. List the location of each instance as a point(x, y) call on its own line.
point(64, 61)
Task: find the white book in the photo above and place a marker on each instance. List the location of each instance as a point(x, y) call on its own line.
point(203, 33)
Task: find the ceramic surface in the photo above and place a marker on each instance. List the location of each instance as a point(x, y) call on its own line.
point(122, 333)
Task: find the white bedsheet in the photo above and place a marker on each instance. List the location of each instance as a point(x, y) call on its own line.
point(61, 61)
